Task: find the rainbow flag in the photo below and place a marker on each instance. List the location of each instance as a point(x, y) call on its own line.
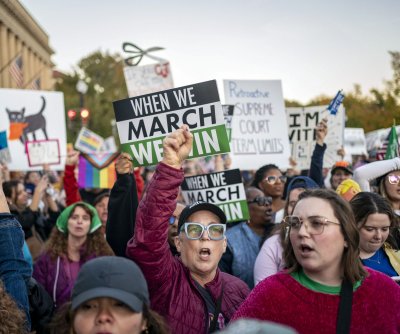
point(97, 170)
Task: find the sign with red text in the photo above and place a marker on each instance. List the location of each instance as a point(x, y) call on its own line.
point(146, 79)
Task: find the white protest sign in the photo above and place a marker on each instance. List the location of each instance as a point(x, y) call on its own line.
point(146, 79)
point(109, 145)
point(43, 152)
point(302, 124)
point(88, 141)
point(354, 142)
point(259, 127)
point(29, 115)
point(144, 121)
point(225, 189)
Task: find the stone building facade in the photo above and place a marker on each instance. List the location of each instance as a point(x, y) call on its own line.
point(25, 53)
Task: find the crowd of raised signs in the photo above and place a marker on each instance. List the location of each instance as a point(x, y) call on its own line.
point(318, 254)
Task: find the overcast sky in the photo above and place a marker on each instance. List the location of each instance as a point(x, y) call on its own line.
point(315, 47)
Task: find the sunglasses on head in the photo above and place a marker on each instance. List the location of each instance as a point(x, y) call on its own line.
point(194, 231)
point(272, 179)
point(394, 179)
point(261, 200)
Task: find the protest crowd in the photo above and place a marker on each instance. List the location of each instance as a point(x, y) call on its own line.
point(194, 214)
point(318, 253)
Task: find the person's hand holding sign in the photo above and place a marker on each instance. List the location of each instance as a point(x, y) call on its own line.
point(177, 146)
point(123, 165)
point(322, 131)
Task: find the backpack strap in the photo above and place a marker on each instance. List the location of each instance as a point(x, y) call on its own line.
point(345, 306)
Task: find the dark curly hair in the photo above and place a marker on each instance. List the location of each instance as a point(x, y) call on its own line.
point(12, 319)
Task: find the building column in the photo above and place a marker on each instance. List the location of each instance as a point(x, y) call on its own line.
point(3, 56)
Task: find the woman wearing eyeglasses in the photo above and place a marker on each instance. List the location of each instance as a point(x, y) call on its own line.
point(190, 291)
point(270, 180)
point(269, 260)
point(375, 218)
point(325, 288)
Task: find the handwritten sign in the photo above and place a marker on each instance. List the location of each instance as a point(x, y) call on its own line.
point(224, 189)
point(302, 124)
point(144, 121)
point(32, 115)
point(43, 152)
point(146, 79)
point(259, 127)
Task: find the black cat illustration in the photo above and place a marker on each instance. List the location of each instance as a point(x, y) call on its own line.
point(32, 122)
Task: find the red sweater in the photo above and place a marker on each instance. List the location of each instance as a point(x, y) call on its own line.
point(280, 298)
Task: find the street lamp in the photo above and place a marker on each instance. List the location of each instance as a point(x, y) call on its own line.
point(82, 88)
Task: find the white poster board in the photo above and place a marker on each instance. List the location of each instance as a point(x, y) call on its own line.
point(302, 123)
point(43, 152)
point(259, 127)
point(354, 142)
point(29, 115)
point(146, 79)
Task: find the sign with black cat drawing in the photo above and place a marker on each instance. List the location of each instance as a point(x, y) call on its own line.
point(32, 116)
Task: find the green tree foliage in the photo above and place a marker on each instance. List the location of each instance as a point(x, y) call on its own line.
point(373, 111)
point(104, 76)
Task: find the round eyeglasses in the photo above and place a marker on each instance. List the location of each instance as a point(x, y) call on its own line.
point(315, 224)
point(194, 231)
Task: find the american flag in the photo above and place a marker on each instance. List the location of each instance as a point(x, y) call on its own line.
point(16, 71)
point(35, 84)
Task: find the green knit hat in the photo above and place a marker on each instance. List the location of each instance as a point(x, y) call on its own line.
point(62, 221)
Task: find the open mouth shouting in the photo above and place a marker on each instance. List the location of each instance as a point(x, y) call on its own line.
point(305, 250)
point(205, 254)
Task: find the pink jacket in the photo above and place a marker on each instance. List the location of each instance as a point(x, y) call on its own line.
point(173, 292)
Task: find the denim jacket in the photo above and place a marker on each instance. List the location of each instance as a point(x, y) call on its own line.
point(14, 270)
